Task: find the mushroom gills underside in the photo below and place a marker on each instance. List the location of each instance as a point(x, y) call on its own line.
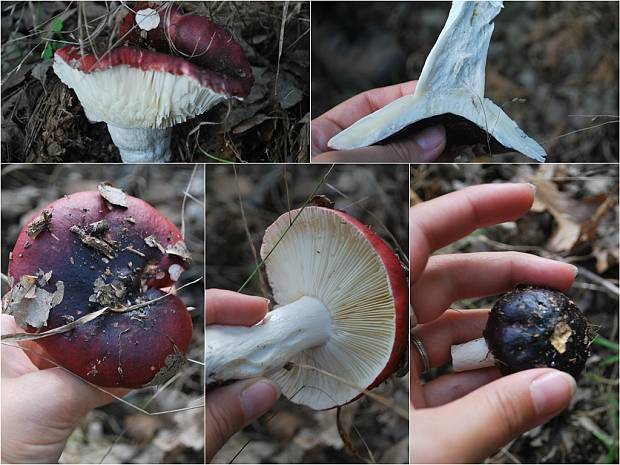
point(325, 257)
point(128, 97)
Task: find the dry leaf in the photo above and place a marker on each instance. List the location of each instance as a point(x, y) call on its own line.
point(569, 214)
point(152, 242)
point(179, 249)
point(113, 195)
point(30, 304)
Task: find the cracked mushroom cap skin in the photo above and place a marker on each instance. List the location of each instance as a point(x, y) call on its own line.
point(334, 258)
point(131, 349)
point(533, 327)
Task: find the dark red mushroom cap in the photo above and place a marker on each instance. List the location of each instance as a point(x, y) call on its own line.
point(146, 60)
point(194, 38)
point(106, 255)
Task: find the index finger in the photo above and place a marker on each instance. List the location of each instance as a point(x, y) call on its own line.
point(438, 222)
point(348, 112)
point(232, 308)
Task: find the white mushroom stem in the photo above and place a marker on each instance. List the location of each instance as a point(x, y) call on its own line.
point(452, 81)
point(142, 145)
point(240, 352)
point(471, 355)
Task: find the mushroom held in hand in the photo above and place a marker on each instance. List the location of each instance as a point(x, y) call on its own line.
point(141, 93)
point(85, 252)
point(529, 327)
point(450, 92)
point(343, 298)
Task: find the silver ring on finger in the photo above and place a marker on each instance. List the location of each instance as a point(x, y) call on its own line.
point(422, 351)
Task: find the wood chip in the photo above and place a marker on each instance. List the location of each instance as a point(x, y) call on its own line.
point(39, 224)
point(99, 245)
point(97, 228)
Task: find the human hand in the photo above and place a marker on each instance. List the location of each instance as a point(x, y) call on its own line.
point(465, 417)
point(41, 403)
point(230, 408)
point(425, 146)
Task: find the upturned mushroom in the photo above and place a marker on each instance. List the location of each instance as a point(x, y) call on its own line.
point(175, 66)
point(107, 254)
point(450, 92)
point(529, 327)
point(342, 299)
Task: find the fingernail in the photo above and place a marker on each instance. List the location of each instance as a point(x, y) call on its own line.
point(532, 186)
point(431, 138)
point(575, 270)
point(258, 398)
point(552, 392)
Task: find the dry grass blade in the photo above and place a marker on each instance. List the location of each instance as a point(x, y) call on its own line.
point(301, 209)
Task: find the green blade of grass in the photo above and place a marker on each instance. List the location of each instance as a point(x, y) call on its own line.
point(601, 341)
point(611, 360)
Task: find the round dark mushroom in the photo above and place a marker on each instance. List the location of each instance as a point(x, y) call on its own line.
point(529, 327)
point(532, 327)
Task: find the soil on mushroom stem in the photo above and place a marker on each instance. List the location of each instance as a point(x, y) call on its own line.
point(44, 122)
point(293, 433)
point(573, 192)
point(176, 437)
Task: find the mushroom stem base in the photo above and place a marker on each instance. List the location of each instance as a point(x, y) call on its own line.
point(142, 145)
point(471, 355)
point(240, 352)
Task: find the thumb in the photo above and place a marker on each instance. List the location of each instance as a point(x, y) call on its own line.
point(230, 408)
point(491, 416)
point(425, 146)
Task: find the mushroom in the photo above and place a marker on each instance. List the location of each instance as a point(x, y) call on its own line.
point(142, 91)
point(529, 327)
point(90, 251)
point(343, 310)
point(450, 92)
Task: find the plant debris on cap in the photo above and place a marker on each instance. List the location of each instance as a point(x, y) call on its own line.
point(29, 303)
point(98, 264)
point(113, 194)
point(533, 327)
